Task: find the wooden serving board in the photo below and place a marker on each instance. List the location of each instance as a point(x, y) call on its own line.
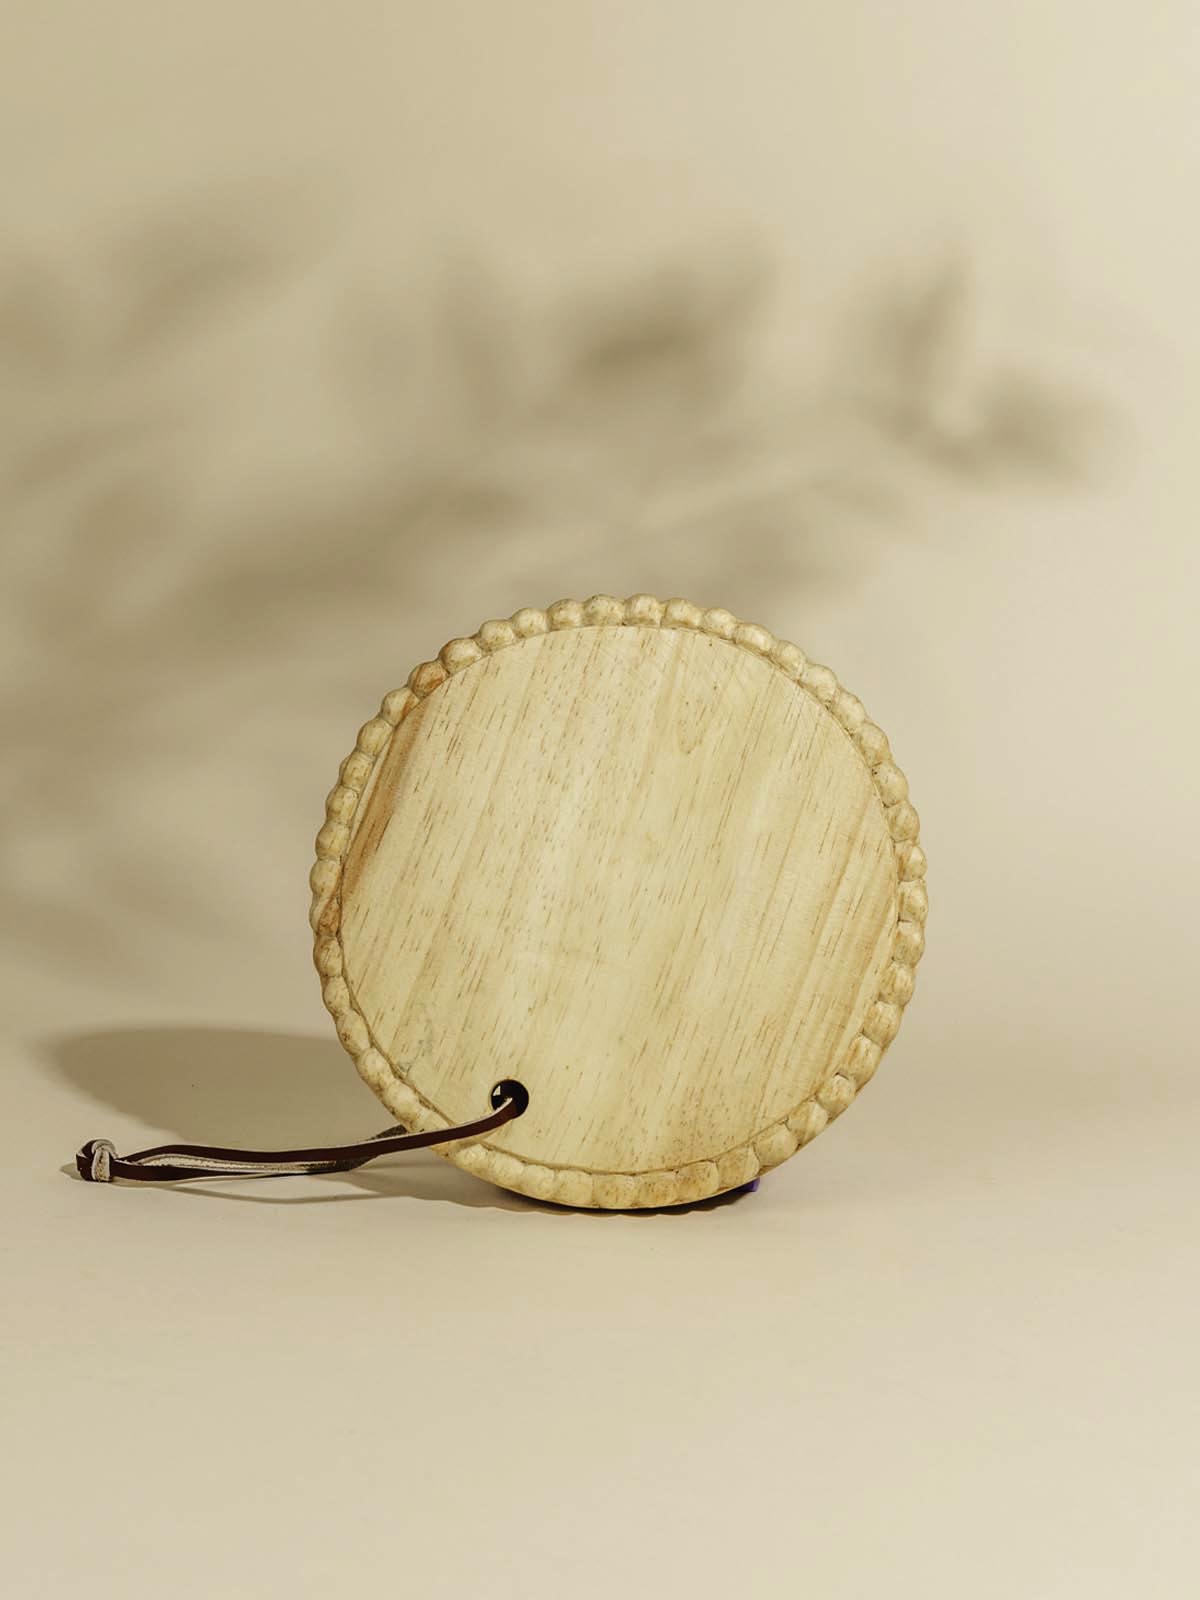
point(645, 858)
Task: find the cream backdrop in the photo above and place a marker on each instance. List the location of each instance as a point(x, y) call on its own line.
point(328, 332)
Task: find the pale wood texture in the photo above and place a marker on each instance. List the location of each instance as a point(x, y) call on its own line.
point(648, 860)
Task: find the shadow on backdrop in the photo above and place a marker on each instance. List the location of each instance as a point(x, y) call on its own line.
point(173, 602)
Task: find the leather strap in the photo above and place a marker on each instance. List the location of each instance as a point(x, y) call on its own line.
point(98, 1161)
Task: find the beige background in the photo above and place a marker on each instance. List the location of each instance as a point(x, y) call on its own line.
point(326, 332)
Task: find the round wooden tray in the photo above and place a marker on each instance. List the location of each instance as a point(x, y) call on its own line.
point(645, 858)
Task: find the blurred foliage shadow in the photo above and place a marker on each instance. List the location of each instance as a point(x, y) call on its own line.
point(226, 452)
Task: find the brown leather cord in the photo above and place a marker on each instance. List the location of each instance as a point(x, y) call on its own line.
point(98, 1161)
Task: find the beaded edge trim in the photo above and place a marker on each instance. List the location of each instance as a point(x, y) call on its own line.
point(701, 1179)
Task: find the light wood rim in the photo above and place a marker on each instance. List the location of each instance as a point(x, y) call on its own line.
point(882, 1017)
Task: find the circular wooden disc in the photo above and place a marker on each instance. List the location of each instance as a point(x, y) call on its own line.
point(648, 860)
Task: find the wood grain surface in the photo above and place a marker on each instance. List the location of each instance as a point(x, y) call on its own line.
point(659, 867)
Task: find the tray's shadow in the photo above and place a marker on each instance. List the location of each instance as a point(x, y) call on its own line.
point(257, 1088)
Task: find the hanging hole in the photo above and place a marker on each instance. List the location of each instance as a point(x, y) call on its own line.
point(510, 1089)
